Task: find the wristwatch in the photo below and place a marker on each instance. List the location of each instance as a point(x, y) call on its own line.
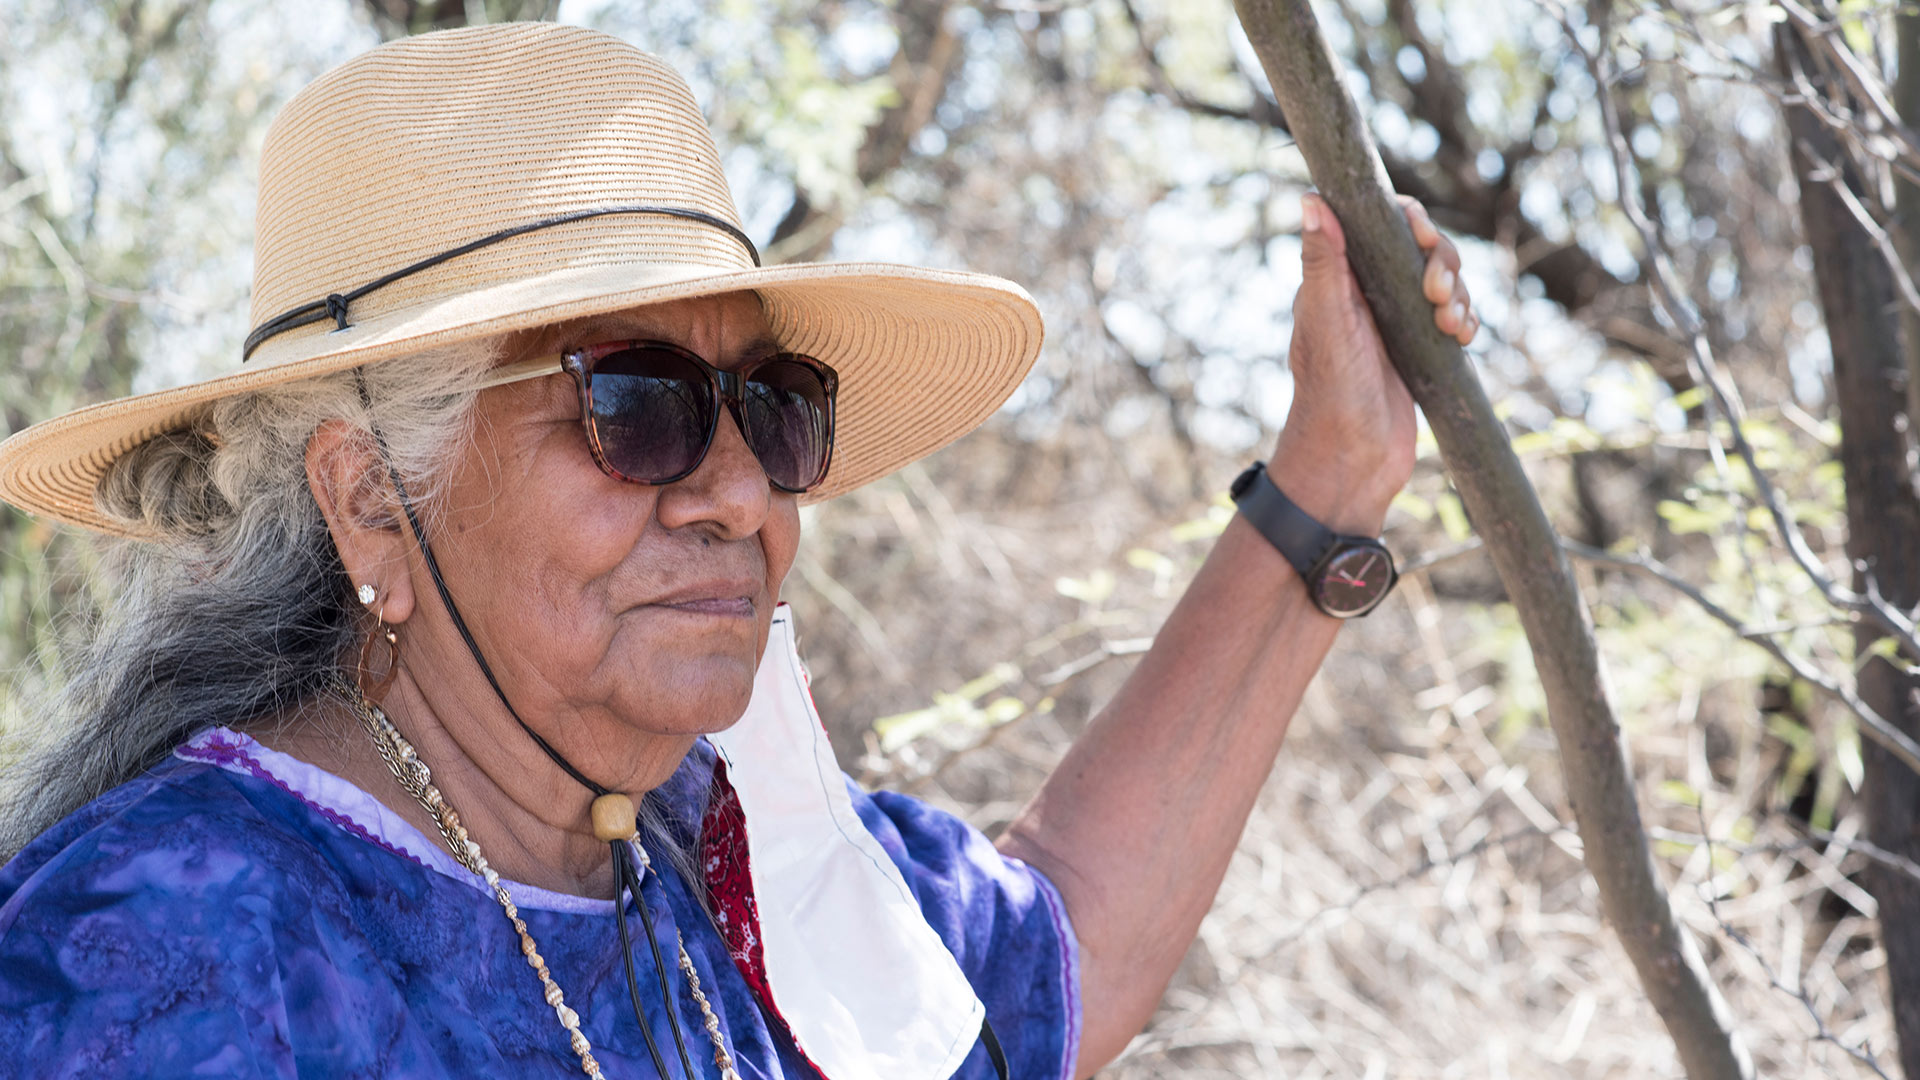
point(1346, 576)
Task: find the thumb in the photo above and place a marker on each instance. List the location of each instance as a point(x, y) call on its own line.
point(1323, 249)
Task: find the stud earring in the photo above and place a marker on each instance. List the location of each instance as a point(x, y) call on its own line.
point(367, 594)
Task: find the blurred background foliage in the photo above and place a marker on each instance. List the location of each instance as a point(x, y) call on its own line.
point(1408, 901)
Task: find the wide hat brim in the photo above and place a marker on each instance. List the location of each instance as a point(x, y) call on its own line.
point(469, 183)
point(924, 356)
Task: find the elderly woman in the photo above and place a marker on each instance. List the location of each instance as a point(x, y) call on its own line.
point(448, 723)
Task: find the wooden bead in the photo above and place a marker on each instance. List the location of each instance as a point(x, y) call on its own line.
point(613, 818)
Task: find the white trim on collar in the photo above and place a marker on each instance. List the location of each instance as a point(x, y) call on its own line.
point(865, 985)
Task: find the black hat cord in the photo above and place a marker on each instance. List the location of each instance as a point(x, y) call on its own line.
point(607, 804)
point(626, 875)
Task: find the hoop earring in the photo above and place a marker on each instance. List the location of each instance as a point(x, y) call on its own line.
point(374, 689)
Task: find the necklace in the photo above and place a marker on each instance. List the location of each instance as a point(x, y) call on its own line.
point(412, 773)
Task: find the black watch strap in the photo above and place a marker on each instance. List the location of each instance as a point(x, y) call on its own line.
point(1345, 576)
point(1299, 537)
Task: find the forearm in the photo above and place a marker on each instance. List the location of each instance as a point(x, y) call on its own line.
point(1137, 824)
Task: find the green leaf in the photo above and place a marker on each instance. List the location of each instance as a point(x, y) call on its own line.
point(1003, 710)
point(900, 729)
point(1453, 517)
point(1846, 753)
point(1203, 528)
point(1679, 791)
point(1413, 506)
point(1672, 849)
point(1885, 648)
point(999, 676)
point(951, 709)
point(1092, 589)
point(1532, 442)
point(1161, 567)
point(1151, 561)
point(1684, 518)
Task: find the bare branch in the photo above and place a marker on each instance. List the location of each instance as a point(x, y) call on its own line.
point(1829, 174)
point(1333, 138)
point(1874, 726)
point(1865, 83)
point(1422, 869)
point(1822, 1033)
point(1673, 303)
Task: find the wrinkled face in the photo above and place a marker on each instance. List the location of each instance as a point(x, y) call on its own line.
point(612, 608)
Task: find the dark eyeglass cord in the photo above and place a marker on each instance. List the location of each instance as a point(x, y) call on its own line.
point(626, 875)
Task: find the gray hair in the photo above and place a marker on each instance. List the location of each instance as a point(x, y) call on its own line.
point(235, 606)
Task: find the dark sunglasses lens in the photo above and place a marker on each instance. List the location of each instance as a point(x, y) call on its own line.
point(653, 410)
point(789, 423)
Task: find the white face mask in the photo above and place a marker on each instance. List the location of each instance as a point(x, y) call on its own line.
point(866, 986)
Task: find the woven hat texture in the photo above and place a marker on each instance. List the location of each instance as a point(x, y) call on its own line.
point(435, 141)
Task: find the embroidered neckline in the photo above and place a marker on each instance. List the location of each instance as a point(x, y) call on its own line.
point(345, 806)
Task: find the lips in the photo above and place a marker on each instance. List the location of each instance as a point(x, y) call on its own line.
point(731, 597)
point(735, 606)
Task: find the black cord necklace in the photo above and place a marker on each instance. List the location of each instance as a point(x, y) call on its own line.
point(613, 813)
point(614, 818)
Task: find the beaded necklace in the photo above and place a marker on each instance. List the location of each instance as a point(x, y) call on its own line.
point(412, 773)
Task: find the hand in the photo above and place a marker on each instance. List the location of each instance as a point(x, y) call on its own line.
point(1348, 445)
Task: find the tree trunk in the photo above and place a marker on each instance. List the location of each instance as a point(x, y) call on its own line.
point(1871, 358)
point(1906, 228)
point(1526, 554)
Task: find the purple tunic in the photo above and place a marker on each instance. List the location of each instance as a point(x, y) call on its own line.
point(235, 912)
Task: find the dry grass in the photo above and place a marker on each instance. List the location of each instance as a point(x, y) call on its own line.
point(1408, 899)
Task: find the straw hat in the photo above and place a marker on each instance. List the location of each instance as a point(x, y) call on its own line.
point(587, 174)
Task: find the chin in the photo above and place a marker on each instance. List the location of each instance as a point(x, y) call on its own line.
point(703, 701)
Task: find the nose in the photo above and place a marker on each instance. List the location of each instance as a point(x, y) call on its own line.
point(729, 492)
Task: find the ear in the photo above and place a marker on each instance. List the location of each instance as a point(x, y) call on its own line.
point(349, 480)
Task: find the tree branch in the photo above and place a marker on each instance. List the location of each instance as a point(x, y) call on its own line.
point(1681, 313)
point(1822, 1033)
point(1829, 174)
point(1873, 725)
point(1526, 553)
point(924, 64)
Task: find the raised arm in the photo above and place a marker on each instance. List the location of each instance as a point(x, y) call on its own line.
point(1136, 825)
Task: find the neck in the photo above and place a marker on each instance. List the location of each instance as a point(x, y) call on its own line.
point(529, 817)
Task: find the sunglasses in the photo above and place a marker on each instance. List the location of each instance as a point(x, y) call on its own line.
point(650, 409)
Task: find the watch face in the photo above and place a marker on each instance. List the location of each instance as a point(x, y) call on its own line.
point(1354, 580)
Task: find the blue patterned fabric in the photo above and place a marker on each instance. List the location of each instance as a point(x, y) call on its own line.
point(246, 915)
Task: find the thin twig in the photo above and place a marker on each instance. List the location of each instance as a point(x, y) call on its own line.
point(1671, 300)
point(1874, 726)
point(1829, 174)
point(1865, 83)
point(1419, 870)
point(1821, 1033)
point(1893, 861)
